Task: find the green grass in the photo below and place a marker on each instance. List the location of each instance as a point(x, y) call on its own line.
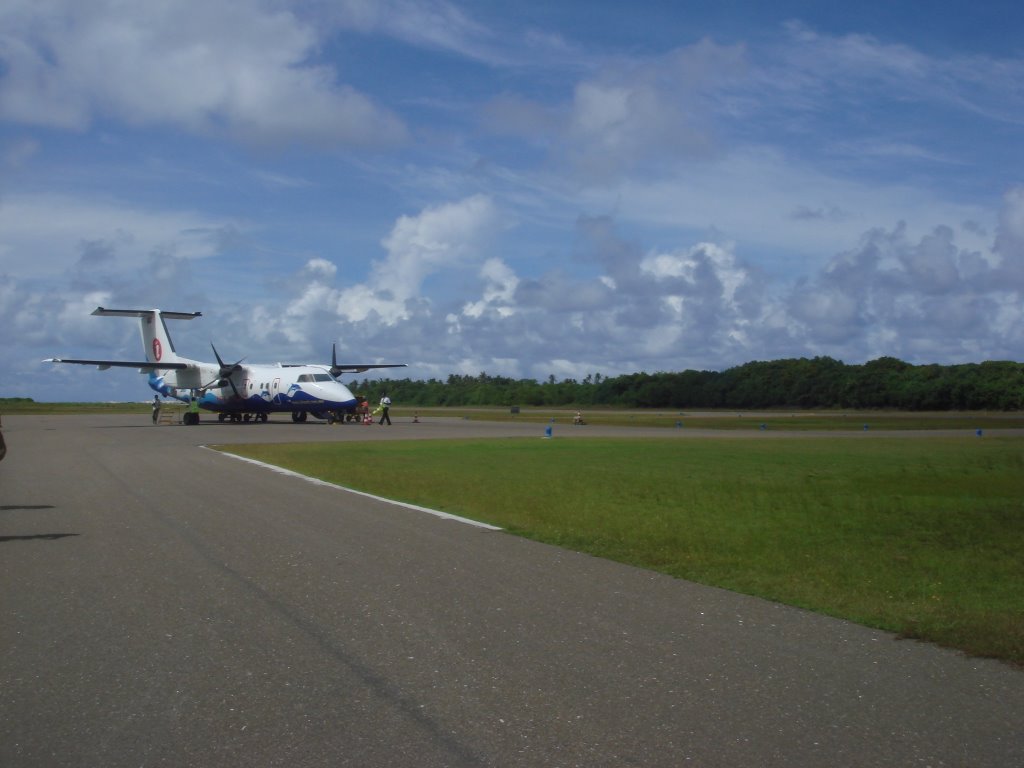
point(921, 537)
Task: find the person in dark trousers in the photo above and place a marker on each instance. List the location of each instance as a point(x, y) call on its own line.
point(156, 408)
point(385, 406)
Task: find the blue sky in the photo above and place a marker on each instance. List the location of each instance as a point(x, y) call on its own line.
point(526, 189)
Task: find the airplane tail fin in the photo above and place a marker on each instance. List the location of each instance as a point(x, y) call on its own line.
point(155, 338)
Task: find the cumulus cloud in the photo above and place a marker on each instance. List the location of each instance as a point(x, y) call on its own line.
point(715, 303)
point(500, 283)
point(440, 238)
point(560, 292)
point(662, 310)
point(923, 298)
point(389, 310)
point(689, 154)
point(320, 269)
point(920, 299)
point(244, 69)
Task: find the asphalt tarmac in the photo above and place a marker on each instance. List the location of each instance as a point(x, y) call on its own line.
point(163, 604)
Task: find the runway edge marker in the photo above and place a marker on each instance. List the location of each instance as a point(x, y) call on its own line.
point(317, 481)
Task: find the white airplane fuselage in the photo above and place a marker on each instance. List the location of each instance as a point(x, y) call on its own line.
point(236, 390)
point(258, 389)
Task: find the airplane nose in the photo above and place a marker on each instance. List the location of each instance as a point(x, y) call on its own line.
point(336, 392)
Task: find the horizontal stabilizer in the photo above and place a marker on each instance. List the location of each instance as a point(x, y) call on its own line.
point(101, 312)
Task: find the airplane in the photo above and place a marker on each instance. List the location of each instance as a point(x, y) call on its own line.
point(235, 392)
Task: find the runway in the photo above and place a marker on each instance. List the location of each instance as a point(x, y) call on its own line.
point(165, 605)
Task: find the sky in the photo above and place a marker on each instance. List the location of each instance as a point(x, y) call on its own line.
point(526, 189)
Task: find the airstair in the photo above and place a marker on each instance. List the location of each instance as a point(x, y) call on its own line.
point(169, 416)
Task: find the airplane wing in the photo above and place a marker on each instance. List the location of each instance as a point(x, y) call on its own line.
point(145, 365)
point(337, 368)
point(359, 367)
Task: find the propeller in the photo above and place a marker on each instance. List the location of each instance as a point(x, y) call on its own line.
point(225, 372)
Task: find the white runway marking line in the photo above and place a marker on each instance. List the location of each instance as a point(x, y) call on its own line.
point(316, 481)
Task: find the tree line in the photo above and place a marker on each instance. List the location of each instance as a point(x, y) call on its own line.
point(820, 382)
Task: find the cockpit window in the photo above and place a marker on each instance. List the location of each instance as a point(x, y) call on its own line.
point(308, 377)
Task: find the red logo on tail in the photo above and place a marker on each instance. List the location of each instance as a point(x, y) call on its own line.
point(158, 350)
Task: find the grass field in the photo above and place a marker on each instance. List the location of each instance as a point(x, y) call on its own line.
point(923, 537)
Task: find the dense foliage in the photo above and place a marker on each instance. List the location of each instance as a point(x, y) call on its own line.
point(821, 382)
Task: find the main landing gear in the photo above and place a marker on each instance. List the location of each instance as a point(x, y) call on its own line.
point(299, 416)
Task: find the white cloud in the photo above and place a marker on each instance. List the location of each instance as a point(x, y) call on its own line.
point(694, 306)
point(389, 309)
point(500, 284)
point(242, 69)
point(426, 23)
point(814, 66)
point(439, 238)
point(764, 143)
point(436, 25)
point(643, 116)
point(924, 299)
point(321, 269)
point(794, 196)
point(697, 265)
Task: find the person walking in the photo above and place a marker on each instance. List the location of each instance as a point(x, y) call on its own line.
point(385, 406)
point(156, 408)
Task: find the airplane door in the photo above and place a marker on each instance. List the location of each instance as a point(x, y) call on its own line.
point(275, 389)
